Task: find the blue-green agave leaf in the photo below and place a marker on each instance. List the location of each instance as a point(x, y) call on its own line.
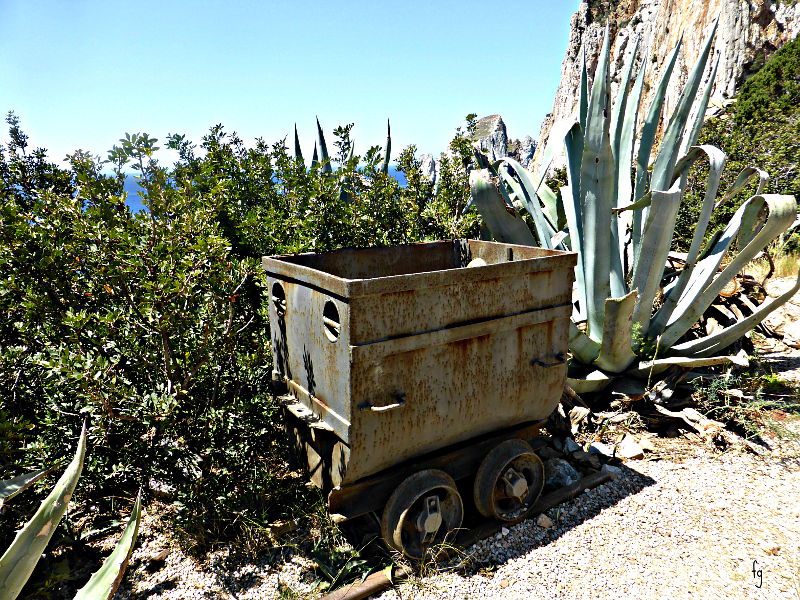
point(716, 160)
point(720, 340)
point(11, 487)
point(298, 154)
point(655, 244)
point(646, 139)
point(745, 175)
point(18, 562)
point(707, 284)
point(104, 583)
point(499, 218)
point(388, 146)
point(616, 353)
point(598, 174)
point(324, 159)
point(670, 148)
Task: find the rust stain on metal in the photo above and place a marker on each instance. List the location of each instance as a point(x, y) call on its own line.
point(429, 352)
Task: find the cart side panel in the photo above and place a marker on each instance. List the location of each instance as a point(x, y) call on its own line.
point(452, 391)
point(455, 301)
point(314, 367)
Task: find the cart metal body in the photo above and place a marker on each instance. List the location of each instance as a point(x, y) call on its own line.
point(392, 353)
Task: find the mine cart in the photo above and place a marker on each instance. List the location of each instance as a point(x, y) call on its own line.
point(413, 375)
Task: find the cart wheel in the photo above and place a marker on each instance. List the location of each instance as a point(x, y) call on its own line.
point(422, 512)
point(509, 481)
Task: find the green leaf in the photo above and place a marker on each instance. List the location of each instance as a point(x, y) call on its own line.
point(616, 353)
point(707, 283)
point(503, 225)
point(597, 185)
point(298, 153)
point(324, 159)
point(716, 159)
point(103, 584)
point(388, 146)
point(646, 139)
point(11, 487)
point(18, 562)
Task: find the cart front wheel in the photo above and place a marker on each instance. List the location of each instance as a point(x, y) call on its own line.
point(508, 481)
point(422, 513)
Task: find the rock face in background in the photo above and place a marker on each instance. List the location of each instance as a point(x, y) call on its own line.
point(749, 32)
point(490, 137)
point(429, 166)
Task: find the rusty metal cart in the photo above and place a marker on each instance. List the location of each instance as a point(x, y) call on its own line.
point(415, 374)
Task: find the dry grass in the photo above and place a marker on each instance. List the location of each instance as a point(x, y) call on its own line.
point(786, 265)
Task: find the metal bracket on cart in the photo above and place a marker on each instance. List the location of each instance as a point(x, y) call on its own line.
point(561, 359)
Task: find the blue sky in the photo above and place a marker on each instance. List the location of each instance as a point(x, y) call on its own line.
point(81, 73)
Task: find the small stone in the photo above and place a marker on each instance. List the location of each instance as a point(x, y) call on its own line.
point(601, 448)
point(504, 532)
point(547, 452)
point(571, 445)
point(544, 521)
point(505, 583)
point(629, 448)
point(559, 473)
point(616, 472)
point(586, 458)
point(647, 444)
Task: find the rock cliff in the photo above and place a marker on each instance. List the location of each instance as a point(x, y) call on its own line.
point(749, 32)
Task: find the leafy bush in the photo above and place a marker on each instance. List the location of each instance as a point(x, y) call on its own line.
point(151, 324)
point(760, 128)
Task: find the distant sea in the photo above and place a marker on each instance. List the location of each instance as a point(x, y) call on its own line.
point(134, 190)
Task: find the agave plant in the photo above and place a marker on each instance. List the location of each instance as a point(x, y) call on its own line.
point(18, 562)
point(618, 213)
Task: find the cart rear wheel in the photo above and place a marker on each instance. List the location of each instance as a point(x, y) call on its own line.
point(422, 513)
point(509, 481)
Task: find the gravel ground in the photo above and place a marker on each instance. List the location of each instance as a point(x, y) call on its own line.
point(666, 529)
point(688, 525)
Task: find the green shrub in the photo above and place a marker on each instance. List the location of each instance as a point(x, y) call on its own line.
point(150, 325)
point(761, 128)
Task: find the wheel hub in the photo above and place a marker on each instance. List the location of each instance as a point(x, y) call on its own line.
point(516, 485)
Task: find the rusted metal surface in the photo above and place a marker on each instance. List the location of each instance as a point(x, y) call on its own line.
point(404, 350)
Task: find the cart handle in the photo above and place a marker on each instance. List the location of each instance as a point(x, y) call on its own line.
point(561, 359)
point(400, 397)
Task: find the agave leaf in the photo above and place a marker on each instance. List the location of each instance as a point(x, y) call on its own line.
point(523, 187)
point(573, 209)
point(670, 146)
point(323, 151)
point(11, 487)
point(716, 159)
point(552, 208)
point(616, 353)
point(582, 347)
point(620, 111)
point(627, 139)
point(388, 146)
point(660, 365)
point(598, 173)
point(103, 584)
point(720, 340)
point(593, 382)
point(18, 562)
point(583, 98)
point(741, 180)
point(653, 252)
point(503, 225)
point(646, 140)
point(693, 132)
point(314, 157)
point(782, 211)
point(298, 154)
